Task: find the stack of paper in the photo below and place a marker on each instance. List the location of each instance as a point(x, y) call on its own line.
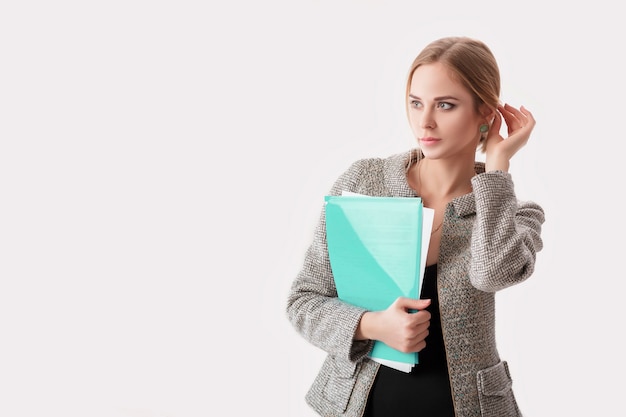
point(377, 248)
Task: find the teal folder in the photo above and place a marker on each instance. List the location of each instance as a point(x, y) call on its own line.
point(374, 246)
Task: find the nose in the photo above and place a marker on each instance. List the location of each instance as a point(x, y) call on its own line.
point(428, 120)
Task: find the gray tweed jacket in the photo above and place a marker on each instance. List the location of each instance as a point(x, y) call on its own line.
point(489, 242)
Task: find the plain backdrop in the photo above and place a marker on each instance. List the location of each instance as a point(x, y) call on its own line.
point(163, 166)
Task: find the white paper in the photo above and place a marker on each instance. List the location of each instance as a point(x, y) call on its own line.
point(400, 366)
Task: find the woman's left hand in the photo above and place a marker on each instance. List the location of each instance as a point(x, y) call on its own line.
point(499, 151)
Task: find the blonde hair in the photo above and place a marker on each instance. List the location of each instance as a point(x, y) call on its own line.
point(471, 62)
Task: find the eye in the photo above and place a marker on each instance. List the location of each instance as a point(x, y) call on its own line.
point(445, 106)
point(416, 103)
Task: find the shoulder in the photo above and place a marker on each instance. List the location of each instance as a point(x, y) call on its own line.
point(374, 175)
point(397, 160)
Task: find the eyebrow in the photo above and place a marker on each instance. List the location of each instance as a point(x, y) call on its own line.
point(437, 98)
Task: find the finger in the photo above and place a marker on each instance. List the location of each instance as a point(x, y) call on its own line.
point(419, 342)
point(511, 114)
point(422, 328)
point(522, 115)
point(514, 118)
point(529, 116)
point(513, 110)
point(421, 317)
point(526, 112)
point(410, 346)
point(422, 335)
point(506, 113)
point(509, 119)
point(412, 304)
point(497, 123)
point(419, 346)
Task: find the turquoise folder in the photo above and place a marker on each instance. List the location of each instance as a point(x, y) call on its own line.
point(374, 245)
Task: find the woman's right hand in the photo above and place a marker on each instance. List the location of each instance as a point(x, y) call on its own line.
point(499, 151)
point(402, 326)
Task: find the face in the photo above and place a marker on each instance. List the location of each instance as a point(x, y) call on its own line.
point(442, 113)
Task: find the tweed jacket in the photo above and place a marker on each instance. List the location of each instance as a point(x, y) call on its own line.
point(489, 242)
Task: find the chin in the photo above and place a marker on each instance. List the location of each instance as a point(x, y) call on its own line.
point(429, 154)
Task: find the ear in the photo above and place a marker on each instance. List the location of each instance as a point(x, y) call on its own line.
point(487, 112)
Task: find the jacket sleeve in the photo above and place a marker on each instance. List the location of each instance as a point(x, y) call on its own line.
point(312, 304)
point(506, 235)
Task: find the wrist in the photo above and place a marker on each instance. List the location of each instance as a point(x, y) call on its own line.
point(365, 329)
point(497, 164)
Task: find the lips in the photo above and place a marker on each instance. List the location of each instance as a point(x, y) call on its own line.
point(429, 140)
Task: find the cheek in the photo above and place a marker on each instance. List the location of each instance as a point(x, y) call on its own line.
point(463, 127)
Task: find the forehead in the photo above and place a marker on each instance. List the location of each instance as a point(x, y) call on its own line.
point(433, 80)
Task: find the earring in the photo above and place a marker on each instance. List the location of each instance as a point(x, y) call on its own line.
point(484, 128)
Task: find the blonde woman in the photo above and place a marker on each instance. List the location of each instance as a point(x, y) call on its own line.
point(483, 240)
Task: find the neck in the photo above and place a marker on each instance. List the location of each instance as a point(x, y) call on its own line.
point(443, 179)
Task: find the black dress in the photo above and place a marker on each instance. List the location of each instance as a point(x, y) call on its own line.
point(425, 391)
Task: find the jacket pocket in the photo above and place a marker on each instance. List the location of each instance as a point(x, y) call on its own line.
point(495, 392)
point(340, 383)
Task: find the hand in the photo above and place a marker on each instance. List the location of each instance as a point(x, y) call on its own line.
point(398, 326)
point(499, 151)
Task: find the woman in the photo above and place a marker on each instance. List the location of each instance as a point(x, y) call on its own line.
point(483, 240)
